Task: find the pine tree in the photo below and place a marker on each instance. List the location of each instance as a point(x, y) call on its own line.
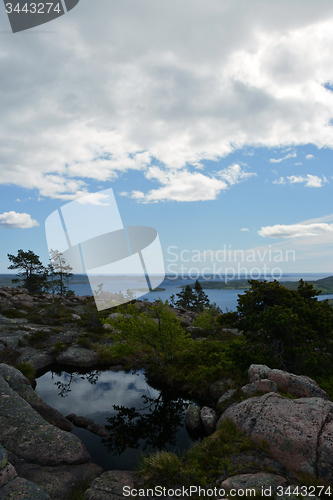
point(32, 270)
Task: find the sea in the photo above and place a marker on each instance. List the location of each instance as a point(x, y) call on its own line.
point(225, 299)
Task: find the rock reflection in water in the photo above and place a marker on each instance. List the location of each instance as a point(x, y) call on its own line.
point(137, 416)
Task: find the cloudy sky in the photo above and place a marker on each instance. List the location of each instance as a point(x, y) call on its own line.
point(212, 121)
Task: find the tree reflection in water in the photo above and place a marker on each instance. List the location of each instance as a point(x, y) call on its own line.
point(65, 387)
point(157, 426)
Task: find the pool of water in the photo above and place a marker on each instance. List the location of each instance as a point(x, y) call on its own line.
point(138, 417)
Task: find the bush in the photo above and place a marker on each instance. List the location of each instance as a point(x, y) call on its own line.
point(160, 330)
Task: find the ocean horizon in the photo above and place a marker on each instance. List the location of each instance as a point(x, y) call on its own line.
point(225, 299)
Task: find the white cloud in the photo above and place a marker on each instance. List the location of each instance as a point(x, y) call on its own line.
point(309, 180)
point(234, 174)
point(14, 220)
point(113, 90)
point(245, 229)
point(280, 181)
point(290, 155)
point(298, 163)
point(296, 230)
point(309, 157)
point(312, 181)
point(182, 185)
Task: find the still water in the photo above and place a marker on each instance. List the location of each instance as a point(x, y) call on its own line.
point(138, 417)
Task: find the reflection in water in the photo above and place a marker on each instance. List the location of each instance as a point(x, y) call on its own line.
point(157, 427)
point(137, 416)
point(65, 386)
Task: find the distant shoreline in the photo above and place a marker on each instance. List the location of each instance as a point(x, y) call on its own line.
point(324, 285)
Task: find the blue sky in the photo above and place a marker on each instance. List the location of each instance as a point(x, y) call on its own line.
point(211, 121)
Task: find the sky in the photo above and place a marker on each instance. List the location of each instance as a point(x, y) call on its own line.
point(212, 121)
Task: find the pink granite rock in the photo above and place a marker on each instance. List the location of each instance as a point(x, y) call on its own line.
point(208, 418)
point(299, 432)
point(264, 385)
point(256, 481)
point(299, 386)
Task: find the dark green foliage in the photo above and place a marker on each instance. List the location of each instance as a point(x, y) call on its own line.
point(292, 327)
point(204, 462)
point(193, 299)
point(160, 330)
point(32, 270)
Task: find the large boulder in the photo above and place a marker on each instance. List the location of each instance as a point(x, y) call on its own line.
point(192, 417)
point(298, 432)
point(24, 432)
point(299, 386)
point(208, 418)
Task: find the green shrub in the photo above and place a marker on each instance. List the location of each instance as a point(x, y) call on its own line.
point(208, 321)
point(160, 467)
point(161, 331)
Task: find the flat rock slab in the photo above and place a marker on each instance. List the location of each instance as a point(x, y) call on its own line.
point(299, 432)
point(109, 486)
point(78, 356)
point(25, 433)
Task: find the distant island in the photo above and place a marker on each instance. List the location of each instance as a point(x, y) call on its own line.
point(324, 285)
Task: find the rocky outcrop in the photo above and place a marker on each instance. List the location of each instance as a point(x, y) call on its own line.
point(296, 385)
point(299, 432)
point(22, 387)
point(41, 461)
point(24, 432)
